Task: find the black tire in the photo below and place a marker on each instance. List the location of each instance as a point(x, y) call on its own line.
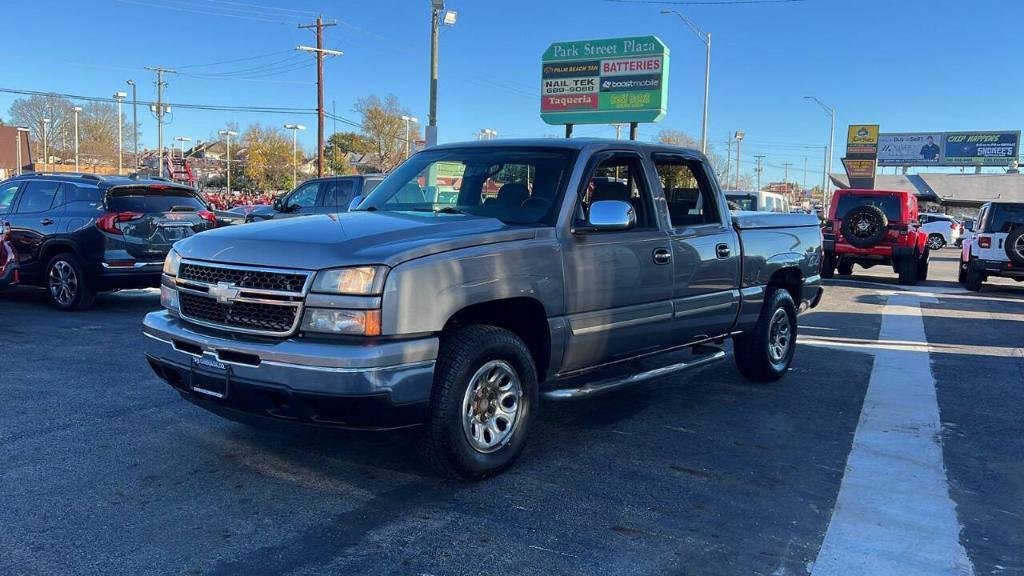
point(79, 294)
point(446, 446)
point(1014, 246)
point(906, 269)
point(751, 350)
point(864, 226)
point(974, 278)
point(845, 268)
point(828, 265)
point(936, 242)
point(922, 266)
point(962, 276)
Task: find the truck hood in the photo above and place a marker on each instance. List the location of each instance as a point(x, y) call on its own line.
point(348, 239)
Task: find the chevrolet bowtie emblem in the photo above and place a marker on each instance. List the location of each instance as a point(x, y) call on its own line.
point(224, 292)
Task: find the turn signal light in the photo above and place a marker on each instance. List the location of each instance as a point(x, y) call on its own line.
point(109, 220)
point(984, 241)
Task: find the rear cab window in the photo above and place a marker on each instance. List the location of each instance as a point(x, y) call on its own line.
point(691, 200)
point(39, 196)
point(1004, 218)
point(148, 200)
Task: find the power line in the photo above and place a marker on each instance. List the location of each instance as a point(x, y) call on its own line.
point(214, 107)
point(245, 59)
point(705, 2)
point(278, 20)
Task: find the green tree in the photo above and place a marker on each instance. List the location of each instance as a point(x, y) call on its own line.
point(340, 144)
point(268, 163)
point(384, 128)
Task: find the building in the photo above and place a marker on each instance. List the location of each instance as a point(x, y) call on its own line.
point(9, 151)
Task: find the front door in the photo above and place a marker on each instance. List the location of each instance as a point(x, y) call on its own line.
point(618, 284)
point(304, 200)
point(705, 250)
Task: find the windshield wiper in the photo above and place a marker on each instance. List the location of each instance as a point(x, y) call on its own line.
point(448, 210)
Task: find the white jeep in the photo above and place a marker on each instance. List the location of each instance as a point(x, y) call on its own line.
point(996, 245)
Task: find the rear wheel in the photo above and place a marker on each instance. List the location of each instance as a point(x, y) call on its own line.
point(66, 284)
point(765, 353)
point(845, 268)
point(973, 278)
point(482, 404)
point(906, 268)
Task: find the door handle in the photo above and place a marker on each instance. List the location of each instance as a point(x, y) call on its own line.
point(46, 221)
point(722, 251)
point(662, 256)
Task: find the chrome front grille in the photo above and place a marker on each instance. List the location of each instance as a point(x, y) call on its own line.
point(250, 300)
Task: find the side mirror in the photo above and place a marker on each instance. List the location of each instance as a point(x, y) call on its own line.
point(276, 205)
point(355, 202)
point(611, 215)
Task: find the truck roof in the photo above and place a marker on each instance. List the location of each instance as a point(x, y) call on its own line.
point(571, 143)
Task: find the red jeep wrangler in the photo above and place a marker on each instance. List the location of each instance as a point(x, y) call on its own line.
point(872, 227)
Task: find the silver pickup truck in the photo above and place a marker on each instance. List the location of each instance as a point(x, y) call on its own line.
point(476, 280)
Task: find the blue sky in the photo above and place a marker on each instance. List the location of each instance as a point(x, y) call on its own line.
point(905, 64)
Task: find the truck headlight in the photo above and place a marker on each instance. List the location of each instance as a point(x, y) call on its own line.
point(358, 280)
point(172, 263)
point(334, 321)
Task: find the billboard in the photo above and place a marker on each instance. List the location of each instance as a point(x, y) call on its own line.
point(604, 81)
point(861, 140)
point(948, 148)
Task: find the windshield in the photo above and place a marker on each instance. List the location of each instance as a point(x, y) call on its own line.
point(889, 204)
point(515, 185)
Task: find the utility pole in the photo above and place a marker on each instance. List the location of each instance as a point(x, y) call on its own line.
point(120, 96)
point(77, 110)
point(728, 159)
point(319, 25)
point(739, 138)
point(160, 110)
point(805, 173)
point(618, 130)
point(785, 168)
point(46, 159)
point(436, 19)
point(135, 122)
point(757, 169)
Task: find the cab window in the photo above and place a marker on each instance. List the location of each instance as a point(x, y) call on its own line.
point(38, 196)
point(619, 177)
point(305, 196)
point(690, 197)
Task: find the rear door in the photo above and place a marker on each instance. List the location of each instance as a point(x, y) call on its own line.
point(337, 195)
point(34, 219)
point(705, 251)
point(149, 219)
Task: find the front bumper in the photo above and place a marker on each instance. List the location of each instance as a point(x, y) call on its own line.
point(379, 385)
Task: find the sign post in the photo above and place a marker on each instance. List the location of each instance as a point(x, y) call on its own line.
point(861, 155)
point(605, 81)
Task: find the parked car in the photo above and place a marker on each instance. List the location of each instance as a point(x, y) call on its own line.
point(941, 229)
point(966, 228)
point(9, 273)
point(460, 315)
point(319, 196)
point(754, 201)
point(79, 234)
point(875, 227)
point(995, 247)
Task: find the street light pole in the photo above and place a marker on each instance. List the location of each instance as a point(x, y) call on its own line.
point(295, 143)
point(120, 96)
point(705, 37)
point(739, 139)
point(135, 122)
point(182, 140)
point(408, 119)
point(436, 19)
point(228, 134)
point(826, 185)
point(76, 109)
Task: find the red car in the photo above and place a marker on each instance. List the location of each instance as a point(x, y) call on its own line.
point(875, 227)
point(9, 275)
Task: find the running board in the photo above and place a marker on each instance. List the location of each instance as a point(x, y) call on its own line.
point(602, 386)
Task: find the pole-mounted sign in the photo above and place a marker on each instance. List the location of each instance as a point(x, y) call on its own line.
point(604, 81)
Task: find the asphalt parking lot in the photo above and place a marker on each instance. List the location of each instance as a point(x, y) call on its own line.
point(104, 469)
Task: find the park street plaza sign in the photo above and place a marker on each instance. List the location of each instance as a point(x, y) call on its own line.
point(605, 81)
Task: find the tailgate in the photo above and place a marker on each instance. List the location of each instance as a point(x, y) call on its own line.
point(152, 218)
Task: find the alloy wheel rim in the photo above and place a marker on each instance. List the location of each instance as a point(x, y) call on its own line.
point(1018, 246)
point(491, 406)
point(935, 242)
point(780, 336)
point(863, 226)
point(63, 283)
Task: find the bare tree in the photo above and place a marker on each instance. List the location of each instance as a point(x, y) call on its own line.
point(30, 112)
point(384, 128)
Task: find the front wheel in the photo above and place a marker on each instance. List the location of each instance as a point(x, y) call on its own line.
point(482, 404)
point(973, 278)
point(764, 353)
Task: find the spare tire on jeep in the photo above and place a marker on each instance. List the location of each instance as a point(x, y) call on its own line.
point(864, 226)
point(1014, 246)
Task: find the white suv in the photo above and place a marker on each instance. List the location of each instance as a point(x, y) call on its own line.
point(995, 247)
point(941, 229)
